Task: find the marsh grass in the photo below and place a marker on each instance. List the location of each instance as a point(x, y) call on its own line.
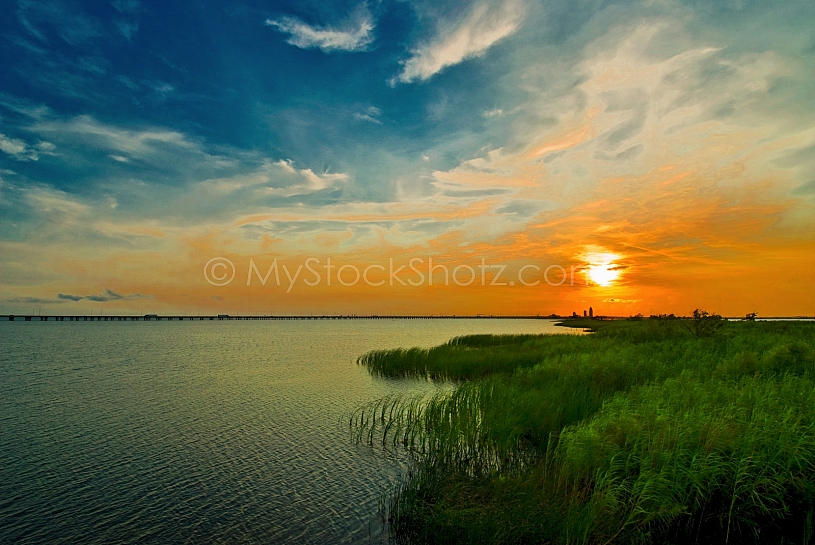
point(639, 433)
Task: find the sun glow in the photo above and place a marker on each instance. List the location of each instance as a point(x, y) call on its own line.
point(602, 275)
point(601, 268)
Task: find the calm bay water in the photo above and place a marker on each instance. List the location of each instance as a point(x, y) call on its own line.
point(199, 432)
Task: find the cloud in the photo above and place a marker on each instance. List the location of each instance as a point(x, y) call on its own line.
point(16, 148)
point(148, 183)
point(484, 26)
point(70, 297)
point(128, 23)
point(73, 27)
point(33, 300)
point(105, 296)
point(354, 34)
point(370, 115)
point(307, 179)
point(524, 208)
point(149, 154)
point(280, 178)
point(131, 142)
point(21, 151)
point(613, 300)
point(805, 189)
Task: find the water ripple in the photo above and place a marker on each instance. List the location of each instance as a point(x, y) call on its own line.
point(197, 432)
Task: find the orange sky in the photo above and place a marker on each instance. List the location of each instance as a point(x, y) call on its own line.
point(632, 178)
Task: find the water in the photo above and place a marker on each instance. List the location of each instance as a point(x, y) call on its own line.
point(199, 432)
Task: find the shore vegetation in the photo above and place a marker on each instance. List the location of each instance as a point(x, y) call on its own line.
point(660, 430)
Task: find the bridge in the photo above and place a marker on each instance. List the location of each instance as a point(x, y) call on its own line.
point(222, 317)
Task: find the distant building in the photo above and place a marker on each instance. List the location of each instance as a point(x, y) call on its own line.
point(584, 313)
point(591, 312)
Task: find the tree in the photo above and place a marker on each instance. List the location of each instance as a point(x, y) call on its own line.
point(704, 324)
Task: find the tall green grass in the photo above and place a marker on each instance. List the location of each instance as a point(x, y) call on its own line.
point(639, 433)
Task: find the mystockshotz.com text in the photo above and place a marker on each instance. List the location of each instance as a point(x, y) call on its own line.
point(415, 272)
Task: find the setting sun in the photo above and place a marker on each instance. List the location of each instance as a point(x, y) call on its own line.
point(602, 268)
point(603, 275)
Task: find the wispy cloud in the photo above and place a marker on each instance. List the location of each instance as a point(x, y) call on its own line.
point(354, 34)
point(136, 143)
point(21, 151)
point(370, 114)
point(486, 24)
point(272, 179)
point(73, 27)
point(289, 180)
point(33, 300)
point(805, 189)
point(105, 296)
point(128, 25)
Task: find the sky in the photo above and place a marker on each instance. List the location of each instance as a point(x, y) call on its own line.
point(320, 157)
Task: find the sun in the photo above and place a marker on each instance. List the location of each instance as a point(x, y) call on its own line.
point(603, 274)
point(601, 268)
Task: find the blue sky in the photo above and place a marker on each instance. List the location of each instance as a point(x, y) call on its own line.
point(135, 130)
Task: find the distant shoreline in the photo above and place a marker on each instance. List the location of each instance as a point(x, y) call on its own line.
point(227, 317)
point(565, 321)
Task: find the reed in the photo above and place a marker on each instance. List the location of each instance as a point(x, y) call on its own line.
point(639, 433)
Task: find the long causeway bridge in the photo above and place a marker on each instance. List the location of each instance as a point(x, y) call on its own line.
point(215, 317)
